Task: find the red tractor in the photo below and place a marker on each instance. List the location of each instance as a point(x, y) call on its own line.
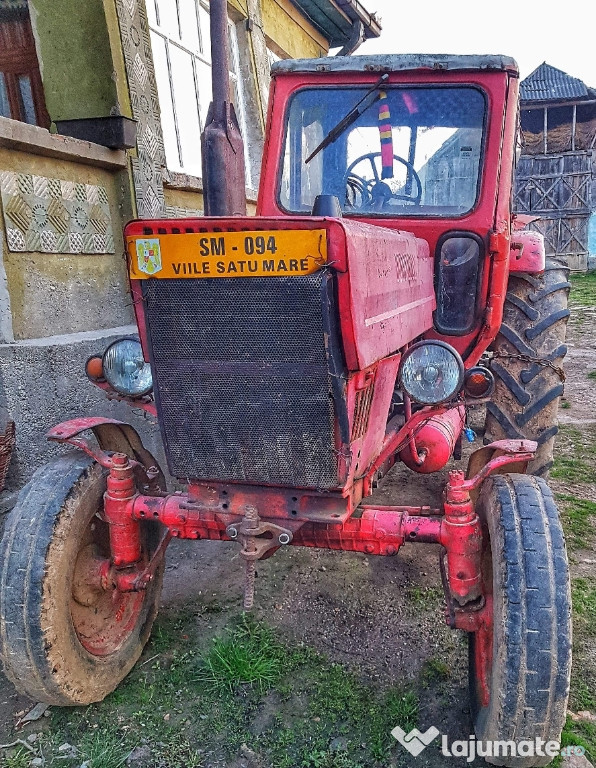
point(292, 358)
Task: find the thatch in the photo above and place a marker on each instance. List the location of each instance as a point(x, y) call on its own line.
point(559, 138)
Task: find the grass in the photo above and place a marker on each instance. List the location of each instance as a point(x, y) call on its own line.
point(582, 302)
point(19, 759)
point(248, 689)
point(327, 759)
point(425, 597)
point(248, 655)
point(583, 683)
point(434, 671)
point(583, 289)
point(584, 603)
point(579, 519)
point(100, 750)
point(574, 462)
point(575, 455)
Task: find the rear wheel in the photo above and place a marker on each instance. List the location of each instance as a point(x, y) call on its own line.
point(65, 639)
point(528, 353)
point(520, 666)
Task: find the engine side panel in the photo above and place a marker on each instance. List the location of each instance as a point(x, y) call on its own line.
point(387, 293)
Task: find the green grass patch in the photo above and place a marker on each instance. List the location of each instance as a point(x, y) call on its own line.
point(579, 519)
point(248, 689)
point(583, 682)
point(247, 655)
point(20, 758)
point(592, 375)
point(575, 454)
point(572, 469)
point(580, 734)
point(583, 697)
point(583, 593)
point(425, 597)
point(103, 748)
point(583, 289)
point(328, 759)
point(434, 671)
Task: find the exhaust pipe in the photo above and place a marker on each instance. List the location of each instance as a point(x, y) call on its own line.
point(222, 147)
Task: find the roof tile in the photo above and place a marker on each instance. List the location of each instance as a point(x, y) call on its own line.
point(547, 83)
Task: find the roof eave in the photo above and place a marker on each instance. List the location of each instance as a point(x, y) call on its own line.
point(335, 19)
point(357, 12)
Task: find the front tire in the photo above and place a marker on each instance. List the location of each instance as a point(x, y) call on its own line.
point(64, 640)
point(520, 667)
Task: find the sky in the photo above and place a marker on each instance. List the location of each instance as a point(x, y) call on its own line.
point(530, 32)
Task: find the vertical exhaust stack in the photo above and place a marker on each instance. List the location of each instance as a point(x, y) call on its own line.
point(224, 186)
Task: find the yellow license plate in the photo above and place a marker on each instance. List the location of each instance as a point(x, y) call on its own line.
point(228, 254)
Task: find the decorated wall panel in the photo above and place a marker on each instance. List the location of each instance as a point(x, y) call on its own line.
point(52, 215)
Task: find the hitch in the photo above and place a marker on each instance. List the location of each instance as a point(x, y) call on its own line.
point(258, 539)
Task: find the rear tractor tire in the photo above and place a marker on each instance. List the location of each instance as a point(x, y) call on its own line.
point(520, 665)
point(528, 354)
point(64, 640)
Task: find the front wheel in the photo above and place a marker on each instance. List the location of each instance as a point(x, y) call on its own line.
point(520, 666)
point(64, 639)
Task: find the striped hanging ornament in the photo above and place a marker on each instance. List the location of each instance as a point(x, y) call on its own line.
point(386, 136)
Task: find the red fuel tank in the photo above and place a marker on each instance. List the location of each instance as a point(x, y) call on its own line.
point(435, 441)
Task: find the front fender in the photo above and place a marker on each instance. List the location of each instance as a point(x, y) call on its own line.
point(527, 252)
point(111, 435)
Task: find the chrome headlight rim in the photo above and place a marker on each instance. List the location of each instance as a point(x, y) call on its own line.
point(436, 343)
point(113, 384)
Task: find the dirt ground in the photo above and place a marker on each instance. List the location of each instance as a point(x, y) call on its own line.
point(382, 617)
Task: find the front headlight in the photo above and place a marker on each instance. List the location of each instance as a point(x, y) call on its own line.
point(431, 372)
point(125, 369)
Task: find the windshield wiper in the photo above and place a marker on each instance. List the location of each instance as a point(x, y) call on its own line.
point(365, 102)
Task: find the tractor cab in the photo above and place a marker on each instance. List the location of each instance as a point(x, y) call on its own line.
point(422, 144)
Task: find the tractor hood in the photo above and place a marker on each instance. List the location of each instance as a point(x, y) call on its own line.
point(253, 325)
point(383, 278)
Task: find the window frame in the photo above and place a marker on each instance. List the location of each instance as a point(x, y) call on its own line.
point(203, 57)
point(392, 86)
point(18, 59)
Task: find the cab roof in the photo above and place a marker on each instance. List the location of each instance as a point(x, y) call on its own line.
point(397, 62)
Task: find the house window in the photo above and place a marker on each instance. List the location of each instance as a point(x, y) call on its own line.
point(21, 90)
point(180, 41)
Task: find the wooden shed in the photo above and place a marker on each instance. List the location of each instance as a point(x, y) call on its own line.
point(556, 173)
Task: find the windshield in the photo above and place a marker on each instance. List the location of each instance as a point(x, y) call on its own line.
point(412, 152)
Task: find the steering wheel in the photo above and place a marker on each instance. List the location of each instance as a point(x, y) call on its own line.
point(363, 193)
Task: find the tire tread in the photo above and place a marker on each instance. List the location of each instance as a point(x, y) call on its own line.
point(526, 398)
point(529, 690)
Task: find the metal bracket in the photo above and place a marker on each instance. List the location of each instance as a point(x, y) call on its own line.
point(254, 546)
point(113, 436)
point(250, 532)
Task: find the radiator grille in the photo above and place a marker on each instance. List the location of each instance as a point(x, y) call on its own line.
point(242, 380)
